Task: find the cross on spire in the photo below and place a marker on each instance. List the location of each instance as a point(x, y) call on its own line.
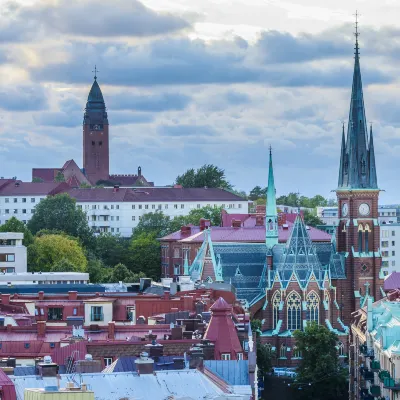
point(270, 150)
point(95, 72)
point(356, 33)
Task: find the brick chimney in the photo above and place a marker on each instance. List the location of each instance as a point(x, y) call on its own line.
point(204, 224)
point(47, 368)
point(261, 209)
point(41, 328)
point(236, 223)
point(41, 295)
point(88, 365)
point(72, 295)
point(5, 299)
point(144, 364)
point(186, 230)
point(111, 330)
point(259, 220)
point(196, 357)
point(281, 219)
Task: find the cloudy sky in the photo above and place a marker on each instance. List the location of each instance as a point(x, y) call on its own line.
point(200, 81)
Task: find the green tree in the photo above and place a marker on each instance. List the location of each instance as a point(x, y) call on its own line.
point(208, 175)
point(37, 180)
point(84, 185)
point(265, 357)
point(207, 212)
point(258, 193)
point(15, 225)
point(59, 212)
point(111, 249)
point(177, 222)
point(145, 255)
point(320, 374)
point(157, 224)
point(97, 272)
point(47, 251)
point(311, 219)
point(256, 326)
point(59, 177)
point(64, 265)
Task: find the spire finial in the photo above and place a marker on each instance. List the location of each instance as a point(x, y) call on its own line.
point(95, 72)
point(270, 150)
point(356, 33)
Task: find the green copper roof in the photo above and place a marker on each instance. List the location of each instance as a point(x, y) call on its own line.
point(271, 220)
point(357, 158)
point(95, 99)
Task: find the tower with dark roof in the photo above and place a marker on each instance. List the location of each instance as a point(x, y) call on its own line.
point(358, 235)
point(271, 217)
point(96, 158)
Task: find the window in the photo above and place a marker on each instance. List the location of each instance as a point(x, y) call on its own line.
point(15, 200)
point(176, 252)
point(112, 229)
point(240, 206)
point(117, 218)
point(54, 313)
point(108, 361)
point(133, 206)
point(393, 233)
point(24, 201)
point(159, 206)
point(312, 302)
point(198, 205)
point(282, 351)
point(112, 206)
point(92, 142)
point(75, 311)
point(393, 263)
point(393, 253)
point(166, 206)
point(33, 199)
point(177, 269)
point(385, 233)
point(385, 254)
point(27, 345)
point(100, 143)
point(52, 345)
point(385, 273)
point(153, 206)
point(7, 211)
point(6, 200)
point(15, 211)
point(117, 229)
point(239, 356)
point(393, 243)
point(340, 347)
point(112, 218)
point(146, 206)
point(96, 313)
point(182, 206)
point(133, 218)
point(294, 311)
point(7, 257)
point(296, 352)
point(140, 206)
point(117, 207)
point(175, 206)
point(276, 300)
point(385, 263)
point(385, 244)
point(225, 356)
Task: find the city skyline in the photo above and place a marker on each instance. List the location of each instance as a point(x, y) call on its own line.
point(203, 87)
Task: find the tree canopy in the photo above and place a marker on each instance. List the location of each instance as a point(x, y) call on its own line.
point(15, 225)
point(59, 212)
point(311, 219)
point(208, 175)
point(157, 224)
point(48, 251)
point(320, 374)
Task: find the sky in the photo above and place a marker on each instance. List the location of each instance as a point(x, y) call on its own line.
point(200, 81)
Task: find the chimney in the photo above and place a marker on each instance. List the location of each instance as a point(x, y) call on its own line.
point(116, 188)
point(5, 299)
point(186, 230)
point(41, 295)
point(111, 330)
point(139, 172)
point(144, 284)
point(259, 220)
point(166, 295)
point(41, 328)
point(187, 303)
point(204, 224)
point(281, 219)
point(236, 223)
point(88, 365)
point(155, 350)
point(261, 209)
point(47, 368)
point(17, 184)
point(177, 333)
point(72, 295)
point(196, 357)
point(144, 364)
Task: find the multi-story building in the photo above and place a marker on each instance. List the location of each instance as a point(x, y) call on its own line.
point(390, 248)
point(374, 350)
point(114, 210)
point(13, 256)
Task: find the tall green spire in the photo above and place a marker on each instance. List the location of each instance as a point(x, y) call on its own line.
point(271, 218)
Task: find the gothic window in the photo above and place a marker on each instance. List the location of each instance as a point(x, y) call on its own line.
point(282, 352)
point(296, 352)
point(312, 302)
point(276, 299)
point(360, 238)
point(340, 347)
point(270, 225)
point(294, 311)
point(366, 236)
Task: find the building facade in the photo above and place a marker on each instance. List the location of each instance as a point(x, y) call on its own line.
point(13, 255)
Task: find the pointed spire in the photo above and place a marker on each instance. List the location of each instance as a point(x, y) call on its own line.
point(271, 218)
point(354, 160)
point(373, 181)
point(342, 157)
point(186, 264)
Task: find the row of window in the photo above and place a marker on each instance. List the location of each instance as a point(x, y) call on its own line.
point(151, 206)
point(386, 253)
point(297, 353)
point(17, 211)
point(385, 243)
point(7, 257)
point(23, 200)
point(388, 213)
point(386, 263)
point(385, 233)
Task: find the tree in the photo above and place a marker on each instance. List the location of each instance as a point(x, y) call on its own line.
point(59, 177)
point(59, 212)
point(320, 374)
point(207, 212)
point(157, 224)
point(256, 326)
point(264, 358)
point(111, 249)
point(311, 219)
point(120, 273)
point(84, 185)
point(48, 251)
point(63, 265)
point(145, 255)
point(37, 180)
point(206, 176)
point(15, 225)
point(258, 193)
point(97, 272)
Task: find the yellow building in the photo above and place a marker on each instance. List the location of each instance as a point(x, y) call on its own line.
point(52, 393)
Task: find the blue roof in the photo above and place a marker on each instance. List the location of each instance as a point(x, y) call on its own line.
point(234, 372)
point(52, 289)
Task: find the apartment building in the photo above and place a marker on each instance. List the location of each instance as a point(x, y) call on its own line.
point(13, 256)
point(115, 210)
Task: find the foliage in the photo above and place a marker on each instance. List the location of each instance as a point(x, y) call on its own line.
point(294, 200)
point(84, 185)
point(37, 180)
point(157, 224)
point(319, 374)
point(64, 265)
point(258, 193)
point(121, 273)
point(97, 272)
point(264, 358)
point(15, 225)
point(312, 220)
point(59, 177)
point(145, 255)
point(206, 176)
point(60, 212)
point(111, 249)
point(47, 251)
point(207, 212)
point(256, 326)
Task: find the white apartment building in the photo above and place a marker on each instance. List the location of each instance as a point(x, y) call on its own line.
point(13, 256)
point(115, 210)
point(390, 248)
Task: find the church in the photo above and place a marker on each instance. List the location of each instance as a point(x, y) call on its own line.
point(287, 285)
point(96, 152)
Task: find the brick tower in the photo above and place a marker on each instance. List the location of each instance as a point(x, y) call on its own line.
point(95, 136)
point(357, 193)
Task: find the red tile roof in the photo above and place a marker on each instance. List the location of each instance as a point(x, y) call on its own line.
point(47, 174)
point(19, 188)
point(392, 282)
point(7, 388)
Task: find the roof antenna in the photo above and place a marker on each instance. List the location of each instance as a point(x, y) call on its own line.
point(95, 72)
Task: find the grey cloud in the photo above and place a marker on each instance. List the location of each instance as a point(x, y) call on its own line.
point(123, 118)
point(23, 98)
point(148, 102)
point(59, 119)
point(186, 130)
point(233, 97)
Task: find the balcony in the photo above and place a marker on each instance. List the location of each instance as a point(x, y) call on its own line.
point(375, 366)
point(391, 384)
point(383, 374)
point(375, 390)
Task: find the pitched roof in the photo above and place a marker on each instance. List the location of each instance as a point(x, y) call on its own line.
point(47, 174)
point(33, 189)
point(392, 282)
point(95, 99)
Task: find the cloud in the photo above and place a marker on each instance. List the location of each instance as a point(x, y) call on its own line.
point(236, 98)
point(23, 98)
point(148, 102)
point(86, 18)
point(123, 118)
point(193, 131)
point(58, 118)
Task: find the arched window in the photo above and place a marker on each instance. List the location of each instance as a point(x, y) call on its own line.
point(340, 347)
point(312, 302)
point(328, 302)
point(276, 300)
point(282, 352)
point(294, 311)
point(360, 237)
point(296, 352)
point(366, 236)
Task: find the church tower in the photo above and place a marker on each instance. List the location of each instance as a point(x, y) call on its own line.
point(95, 136)
point(271, 217)
point(358, 235)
